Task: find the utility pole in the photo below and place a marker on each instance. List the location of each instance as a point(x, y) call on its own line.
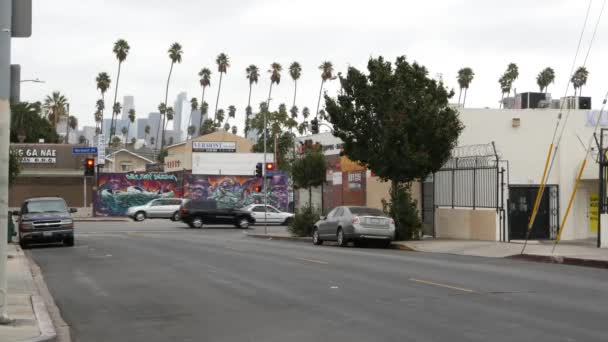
point(15, 21)
point(264, 177)
point(6, 10)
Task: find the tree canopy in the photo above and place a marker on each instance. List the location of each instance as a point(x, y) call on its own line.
point(26, 120)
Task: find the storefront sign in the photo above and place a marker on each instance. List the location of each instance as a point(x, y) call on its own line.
point(37, 155)
point(213, 146)
point(354, 180)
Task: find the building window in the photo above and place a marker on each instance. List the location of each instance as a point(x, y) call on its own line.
point(125, 167)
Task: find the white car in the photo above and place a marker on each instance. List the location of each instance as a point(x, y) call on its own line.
point(167, 208)
point(272, 215)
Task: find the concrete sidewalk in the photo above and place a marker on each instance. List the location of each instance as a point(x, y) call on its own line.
point(25, 305)
point(567, 252)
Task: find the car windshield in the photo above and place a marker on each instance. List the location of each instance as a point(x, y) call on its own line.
point(46, 206)
point(362, 211)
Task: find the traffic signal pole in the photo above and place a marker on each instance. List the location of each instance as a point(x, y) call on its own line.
point(5, 118)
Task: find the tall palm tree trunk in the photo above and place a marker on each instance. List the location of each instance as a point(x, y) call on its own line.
point(200, 119)
point(164, 116)
point(269, 94)
point(217, 100)
point(319, 101)
point(103, 99)
point(248, 106)
point(112, 128)
point(459, 94)
point(295, 92)
point(464, 101)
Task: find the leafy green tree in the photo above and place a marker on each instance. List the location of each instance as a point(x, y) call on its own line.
point(27, 121)
point(579, 79)
point(327, 73)
point(295, 71)
point(175, 54)
point(72, 123)
point(121, 51)
point(205, 81)
point(223, 63)
point(115, 143)
point(276, 130)
point(207, 127)
point(103, 84)
point(309, 171)
point(253, 75)
point(545, 78)
point(131, 121)
point(397, 121)
point(55, 106)
point(14, 167)
point(465, 77)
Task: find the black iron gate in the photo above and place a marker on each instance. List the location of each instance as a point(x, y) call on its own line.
point(521, 204)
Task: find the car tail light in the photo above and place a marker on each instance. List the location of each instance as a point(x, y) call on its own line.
point(356, 220)
point(184, 210)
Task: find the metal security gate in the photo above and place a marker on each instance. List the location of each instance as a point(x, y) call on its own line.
point(473, 178)
point(521, 204)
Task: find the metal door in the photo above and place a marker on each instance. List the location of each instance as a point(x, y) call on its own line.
point(521, 204)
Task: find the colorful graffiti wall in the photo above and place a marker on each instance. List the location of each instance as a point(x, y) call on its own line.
point(236, 191)
point(117, 192)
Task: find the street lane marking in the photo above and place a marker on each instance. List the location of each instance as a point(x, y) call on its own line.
point(441, 285)
point(314, 261)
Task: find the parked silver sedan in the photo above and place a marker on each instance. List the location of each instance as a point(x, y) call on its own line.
point(165, 208)
point(350, 223)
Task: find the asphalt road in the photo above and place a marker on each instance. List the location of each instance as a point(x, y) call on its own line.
point(159, 281)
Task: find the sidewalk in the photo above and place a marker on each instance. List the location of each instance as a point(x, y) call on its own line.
point(25, 305)
point(582, 253)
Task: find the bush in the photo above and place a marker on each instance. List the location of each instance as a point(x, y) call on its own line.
point(403, 209)
point(302, 223)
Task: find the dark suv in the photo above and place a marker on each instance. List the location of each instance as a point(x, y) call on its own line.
point(196, 213)
point(45, 219)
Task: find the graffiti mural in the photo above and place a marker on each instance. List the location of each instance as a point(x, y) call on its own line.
point(236, 191)
point(117, 192)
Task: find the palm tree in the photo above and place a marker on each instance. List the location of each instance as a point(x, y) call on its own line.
point(579, 79)
point(175, 54)
point(71, 123)
point(295, 71)
point(205, 81)
point(303, 127)
point(193, 108)
point(191, 131)
point(115, 143)
point(231, 111)
point(121, 50)
point(305, 112)
point(146, 132)
point(115, 111)
point(223, 63)
point(103, 84)
point(219, 118)
point(512, 74)
point(133, 141)
point(235, 130)
point(125, 131)
point(162, 109)
point(327, 73)
point(98, 117)
point(131, 120)
point(253, 75)
point(152, 141)
point(82, 140)
point(275, 77)
point(544, 78)
point(170, 115)
point(226, 127)
point(207, 127)
point(55, 106)
point(465, 77)
point(505, 87)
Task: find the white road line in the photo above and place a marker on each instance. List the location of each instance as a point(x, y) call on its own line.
point(314, 261)
point(441, 285)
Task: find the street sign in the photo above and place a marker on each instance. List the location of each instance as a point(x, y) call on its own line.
point(101, 149)
point(84, 150)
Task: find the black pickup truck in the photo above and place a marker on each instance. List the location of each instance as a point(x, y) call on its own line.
point(197, 213)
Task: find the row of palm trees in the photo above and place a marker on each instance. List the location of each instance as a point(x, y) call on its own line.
point(57, 108)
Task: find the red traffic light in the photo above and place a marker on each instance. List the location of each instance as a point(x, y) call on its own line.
point(90, 162)
point(269, 166)
point(258, 188)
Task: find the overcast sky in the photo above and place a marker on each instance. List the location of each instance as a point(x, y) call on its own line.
point(72, 42)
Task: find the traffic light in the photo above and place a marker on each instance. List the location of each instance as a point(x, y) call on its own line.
point(314, 126)
point(89, 167)
point(258, 170)
point(269, 167)
point(258, 188)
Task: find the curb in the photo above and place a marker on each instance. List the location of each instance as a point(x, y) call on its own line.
point(555, 259)
point(101, 219)
point(309, 240)
point(45, 325)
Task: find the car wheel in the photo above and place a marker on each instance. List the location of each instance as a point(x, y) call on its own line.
point(386, 244)
point(316, 238)
point(140, 216)
point(23, 245)
point(342, 242)
point(287, 221)
point(243, 223)
point(176, 217)
point(197, 222)
point(69, 242)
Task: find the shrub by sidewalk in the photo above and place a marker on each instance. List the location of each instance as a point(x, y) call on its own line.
point(303, 221)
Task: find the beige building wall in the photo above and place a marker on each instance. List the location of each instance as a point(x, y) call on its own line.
point(377, 190)
point(466, 224)
point(184, 149)
point(115, 165)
